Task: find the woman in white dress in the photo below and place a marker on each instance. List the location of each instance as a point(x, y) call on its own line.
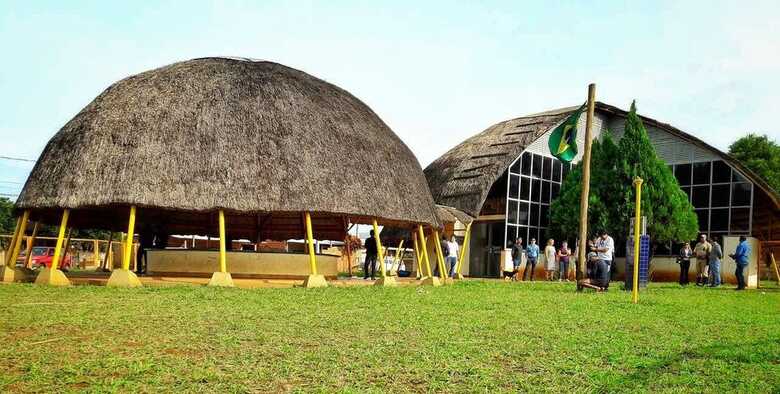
point(550, 264)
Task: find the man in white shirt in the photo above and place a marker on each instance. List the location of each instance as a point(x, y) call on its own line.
point(605, 249)
point(452, 257)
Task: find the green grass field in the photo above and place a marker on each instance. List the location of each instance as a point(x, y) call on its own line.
point(474, 336)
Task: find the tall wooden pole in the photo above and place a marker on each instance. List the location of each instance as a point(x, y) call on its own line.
point(585, 183)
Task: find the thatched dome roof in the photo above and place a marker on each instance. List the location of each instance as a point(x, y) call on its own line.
point(250, 137)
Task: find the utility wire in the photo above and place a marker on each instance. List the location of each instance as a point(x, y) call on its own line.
point(17, 159)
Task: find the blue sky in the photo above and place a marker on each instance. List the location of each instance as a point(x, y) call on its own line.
point(436, 72)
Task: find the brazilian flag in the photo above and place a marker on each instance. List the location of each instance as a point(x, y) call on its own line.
point(563, 140)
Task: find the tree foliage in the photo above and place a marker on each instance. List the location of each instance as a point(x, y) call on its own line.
point(761, 155)
point(670, 216)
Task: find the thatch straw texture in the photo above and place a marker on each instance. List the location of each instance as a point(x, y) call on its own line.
point(251, 137)
point(446, 215)
point(462, 177)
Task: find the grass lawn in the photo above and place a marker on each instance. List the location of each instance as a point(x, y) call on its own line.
point(474, 336)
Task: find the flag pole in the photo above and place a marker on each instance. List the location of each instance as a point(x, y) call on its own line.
point(583, 242)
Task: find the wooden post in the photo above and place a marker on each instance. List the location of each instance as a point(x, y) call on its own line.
point(774, 264)
point(30, 244)
point(348, 249)
point(104, 265)
point(66, 247)
point(585, 184)
point(396, 258)
point(424, 252)
point(637, 218)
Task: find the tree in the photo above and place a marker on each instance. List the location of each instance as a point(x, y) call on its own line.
point(761, 155)
point(670, 216)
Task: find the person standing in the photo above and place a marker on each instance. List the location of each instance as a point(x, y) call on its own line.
point(452, 259)
point(702, 252)
point(685, 263)
point(371, 253)
point(517, 258)
point(531, 254)
point(740, 257)
point(550, 255)
point(563, 262)
point(715, 255)
point(605, 249)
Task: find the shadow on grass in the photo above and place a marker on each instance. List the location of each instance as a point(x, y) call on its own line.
point(756, 353)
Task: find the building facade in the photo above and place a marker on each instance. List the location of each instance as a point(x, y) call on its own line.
point(507, 178)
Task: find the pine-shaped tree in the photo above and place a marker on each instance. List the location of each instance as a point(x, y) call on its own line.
point(670, 216)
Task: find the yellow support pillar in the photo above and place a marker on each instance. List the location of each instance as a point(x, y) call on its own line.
point(10, 272)
point(12, 242)
point(396, 261)
point(52, 275)
point(123, 277)
point(637, 218)
point(96, 253)
point(459, 265)
point(430, 280)
point(30, 244)
point(314, 279)
point(222, 278)
point(417, 254)
point(443, 274)
point(385, 280)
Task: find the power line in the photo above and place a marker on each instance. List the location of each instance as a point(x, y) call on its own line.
point(8, 195)
point(12, 182)
point(17, 159)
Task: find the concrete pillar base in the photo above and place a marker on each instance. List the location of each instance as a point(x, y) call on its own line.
point(123, 278)
point(459, 276)
point(433, 281)
point(51, 277)
point(7, 274)
point(447, 281)
point(313, 281)
point(221, 279)
point(387, 281)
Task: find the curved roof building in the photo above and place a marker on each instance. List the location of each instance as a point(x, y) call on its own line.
point(506, 177)
point(262, 141)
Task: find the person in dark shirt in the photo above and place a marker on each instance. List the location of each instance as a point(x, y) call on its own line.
point(371, 253)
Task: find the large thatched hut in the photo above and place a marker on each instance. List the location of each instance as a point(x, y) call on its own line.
point(258, 143)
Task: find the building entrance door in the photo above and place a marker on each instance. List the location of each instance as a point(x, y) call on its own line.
point(485, 247)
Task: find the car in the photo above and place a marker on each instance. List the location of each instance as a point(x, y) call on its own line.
point(42, 257)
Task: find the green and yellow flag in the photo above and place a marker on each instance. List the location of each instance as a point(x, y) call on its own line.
point(563, 140)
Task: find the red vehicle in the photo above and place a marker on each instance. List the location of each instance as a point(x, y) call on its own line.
point(42, 257)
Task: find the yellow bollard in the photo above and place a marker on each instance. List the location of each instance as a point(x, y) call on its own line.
point(463, 252)
point(52, 275)
point(387, 281)
point(637, 218)
point(430, 280)
point(30, 244)
point(314, 279)
point(123, 277)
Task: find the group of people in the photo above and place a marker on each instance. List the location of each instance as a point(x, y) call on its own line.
point(708, 254)
point(557, 261)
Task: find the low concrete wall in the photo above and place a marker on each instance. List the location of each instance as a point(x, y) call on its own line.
point(239, 264)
